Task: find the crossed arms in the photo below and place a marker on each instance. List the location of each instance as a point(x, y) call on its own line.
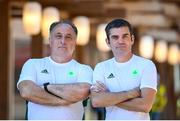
point(133, 100)
point(67, 93)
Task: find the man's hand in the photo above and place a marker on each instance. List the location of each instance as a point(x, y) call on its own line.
point(143, 103)
point(34, 93)
point(136, 92)
point(99, 87)
point(102, 97)
point(73, 92)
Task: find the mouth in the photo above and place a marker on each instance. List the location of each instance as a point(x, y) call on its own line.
point(121, 46)
point(61, 47)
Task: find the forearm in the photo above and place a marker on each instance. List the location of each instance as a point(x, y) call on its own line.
point(141, 104)
point(104, 99)
point(136, 104)
point(47, 99)
point(72, 92)
point(31, 92)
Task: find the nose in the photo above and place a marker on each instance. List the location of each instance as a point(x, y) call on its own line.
point(120, 40)
point(62, 41)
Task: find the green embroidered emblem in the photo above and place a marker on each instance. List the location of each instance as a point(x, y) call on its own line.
point(71, 74)
point(135, 73)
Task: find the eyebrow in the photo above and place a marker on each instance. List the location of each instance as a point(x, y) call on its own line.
point(61, 33)
point(126, 34)
point(114, 35)
point(69, 35)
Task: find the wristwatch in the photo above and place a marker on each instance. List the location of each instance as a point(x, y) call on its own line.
point(46, 89)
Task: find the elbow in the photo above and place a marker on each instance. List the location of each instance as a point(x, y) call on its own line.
point(84, 91)
point(146, 108)
point(24, 93)
point(95, 102)
point(25, 89)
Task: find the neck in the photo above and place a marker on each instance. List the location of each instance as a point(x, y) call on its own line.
point(61, 59)
point(123, 58)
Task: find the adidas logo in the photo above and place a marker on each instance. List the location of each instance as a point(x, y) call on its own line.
point(45, 71)
point(111, 76)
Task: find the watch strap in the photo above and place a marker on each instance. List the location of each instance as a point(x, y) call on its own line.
point(46, 89)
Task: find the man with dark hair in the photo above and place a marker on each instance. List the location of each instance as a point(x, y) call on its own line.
point(126, 84)
point(55, 86)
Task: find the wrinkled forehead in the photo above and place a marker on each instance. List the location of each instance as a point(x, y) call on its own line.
point(63, 27)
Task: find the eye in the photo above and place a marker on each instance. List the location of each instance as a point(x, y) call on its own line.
point(68, 37)
point(125, 36)
point(58, 36)
point(114, 37)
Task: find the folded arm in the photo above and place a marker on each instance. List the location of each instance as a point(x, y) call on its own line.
point(72, 92)
point(141, 104)
point(34, 93)
point(101, 97)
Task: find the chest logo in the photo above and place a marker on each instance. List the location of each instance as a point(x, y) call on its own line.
point(111, 76)
point(71, 74)
point(135, 73)
point(45, 71)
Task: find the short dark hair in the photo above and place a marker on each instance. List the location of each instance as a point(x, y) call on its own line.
point(54, 24)
point(116, 23)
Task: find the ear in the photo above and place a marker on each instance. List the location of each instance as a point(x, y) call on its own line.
point(49, 41)
point(108, 42)
point(132, 39)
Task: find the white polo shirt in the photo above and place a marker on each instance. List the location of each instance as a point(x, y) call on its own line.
point(45, 70)
point(137, 72)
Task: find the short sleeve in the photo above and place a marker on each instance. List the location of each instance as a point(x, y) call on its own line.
point(98, 74)
point(28, 72)
point(85, 74)
point(149, 76)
